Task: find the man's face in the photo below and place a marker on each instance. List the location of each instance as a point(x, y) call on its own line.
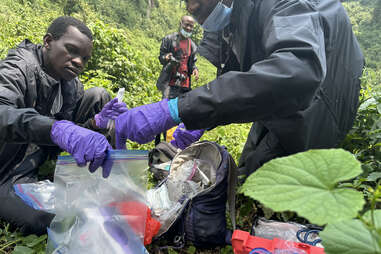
point(66, 57)
point(187, 23)
point(200, 9)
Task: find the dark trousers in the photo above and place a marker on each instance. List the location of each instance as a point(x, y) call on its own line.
point(261, 146)
point(12, 208)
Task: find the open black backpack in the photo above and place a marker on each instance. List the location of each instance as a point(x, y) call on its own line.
point(200, 217)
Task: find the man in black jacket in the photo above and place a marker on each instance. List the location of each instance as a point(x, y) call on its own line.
point(178, 57)
point(291, 67)
point(41, 98)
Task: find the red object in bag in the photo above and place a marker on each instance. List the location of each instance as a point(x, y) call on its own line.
point(244, 243)
point(134, 212)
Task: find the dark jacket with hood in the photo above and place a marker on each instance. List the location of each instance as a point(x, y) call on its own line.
point(30, 100)
point(168, 45)
point(295, 73)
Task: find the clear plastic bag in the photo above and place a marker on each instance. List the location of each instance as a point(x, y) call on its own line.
point(289, 231)
point(185, 181)
point(95, 214)
point(38, 195)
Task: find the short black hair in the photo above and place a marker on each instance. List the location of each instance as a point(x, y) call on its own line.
point(59, 26)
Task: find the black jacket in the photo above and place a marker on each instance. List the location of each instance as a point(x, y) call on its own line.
point(30, 100)
point(168, 45)
point(296, 75)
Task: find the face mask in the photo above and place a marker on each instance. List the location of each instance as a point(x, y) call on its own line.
point(218, 19)
point(185, 33)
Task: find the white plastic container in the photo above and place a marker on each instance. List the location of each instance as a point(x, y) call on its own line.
point(119, 96)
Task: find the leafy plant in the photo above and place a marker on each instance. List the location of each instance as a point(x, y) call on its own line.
point(30, 244)
point(365, 21)
point(126, 48)
point(309, 184)
point(364, 140)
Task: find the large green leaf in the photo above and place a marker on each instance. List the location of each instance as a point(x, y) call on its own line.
point(351, 237)
point(307, 184)
point(376, 218)
point(19, 249)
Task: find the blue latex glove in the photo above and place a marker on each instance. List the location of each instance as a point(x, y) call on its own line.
point(111, 110)
point(183, 137)
point(142, 124)
point(85, 145)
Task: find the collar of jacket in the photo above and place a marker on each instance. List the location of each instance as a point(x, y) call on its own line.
point(36, 50)
point(178, 37)
point(47, 87)
point(39, 53)
point(241, 13)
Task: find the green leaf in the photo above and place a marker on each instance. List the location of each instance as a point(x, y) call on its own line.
point(22, 250)
point(379, 108)
point(307, 184)
point(349, 237)
point(377, 218)
point(29, 239)
point(367, 103)
point(191, 250)
point(34, 240)
point(374, 176)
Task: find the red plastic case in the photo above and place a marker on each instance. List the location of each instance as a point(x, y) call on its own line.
point(244, 243)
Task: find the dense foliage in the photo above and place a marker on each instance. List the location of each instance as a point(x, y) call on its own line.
point(309, 183)
point(366, 19)
point(126, 46)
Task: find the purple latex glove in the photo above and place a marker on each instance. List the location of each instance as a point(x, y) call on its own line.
point(85, 145)
point(143, 123)
point(111, 110)
point(183, 137)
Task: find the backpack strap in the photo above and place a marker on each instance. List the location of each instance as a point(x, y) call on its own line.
point(163, 152)
point(232, 184)
point(189, 47)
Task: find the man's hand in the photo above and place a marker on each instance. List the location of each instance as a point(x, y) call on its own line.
point(85, 145)
point(110, 111)
point(143, 123)
point(183, 137)
point(195, 74)
point(168, 56)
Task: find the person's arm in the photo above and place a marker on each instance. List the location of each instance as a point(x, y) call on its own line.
point(165, 49)
point(19, 124)
point(22, 125)
point(193, 67)
point(281, 84)
point(194, 57)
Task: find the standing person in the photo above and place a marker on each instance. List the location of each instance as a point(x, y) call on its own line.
point(292, 67)
point(41, 99)
point(178, 57)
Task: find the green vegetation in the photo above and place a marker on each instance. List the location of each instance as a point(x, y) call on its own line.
point(309, 183)
point(12, 242)
point(366, 19)
point(127, 40)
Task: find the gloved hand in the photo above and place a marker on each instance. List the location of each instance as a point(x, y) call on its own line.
point(111, 110)
point(85, 145)
point(183, 137)
point(142, 124)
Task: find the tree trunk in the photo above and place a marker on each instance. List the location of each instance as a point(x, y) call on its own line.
point(149, 8)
